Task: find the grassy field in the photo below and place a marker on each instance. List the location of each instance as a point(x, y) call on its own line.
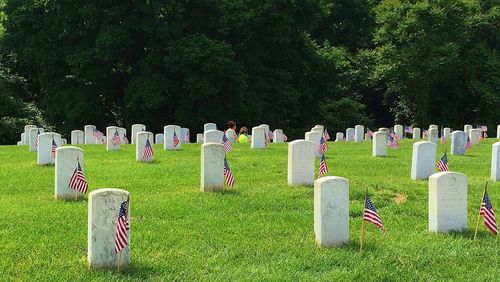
point(261, 229)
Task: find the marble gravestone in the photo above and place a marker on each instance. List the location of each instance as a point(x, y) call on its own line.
point(45, 155)
point(467, 128)
point(89, 134)
point(27, 130)
point(159, 138)
point(318, 127)
point(258, 137)
point(315, 138)
point(475, 136)
point(447, 202)
point(103, 210)
point(199, 138)
point(266, 127)
point(434, 126)
point(379, 144)
point(212, 167)
point(64, 141)
point(349, 134)
point(185, 135)
point(301, 162)
point(136, 128)
point(77, 137)
point(416, 133)
point(339, 137)
point(168, 137)
point(111, 131)
point(141, 139)
point(278, 136)
point(231, 136)
point(23, 139)
point(398, 129)
point(495, 162)
point(447, 133)
point(331, 211)
point(498, 131)
point(67, 159)
point(123, 135)
point(209, 126)
point(386, 130)
point(359, 133)
point(433, 135)
point(213, 136)
point(423, 160)
point(32, 139)
point(458, 139)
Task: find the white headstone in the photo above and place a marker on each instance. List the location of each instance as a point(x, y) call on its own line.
point(212, 167)
point(278, 136)
point(77, 137)
point(416, 133)
point(398, 129)
point(458, 139)
point(231, 135)
point(32, 139)
point(475, 136)
point(199, 138)
point(339, 137)
point(212, 136)
point(27, 129)
point(258, 137)
point(359, 133)
point(19, 143)
point(123, 134)
point(159, 138)
point(447, 202)
point(23, 139)
point(498, 131)
point(318, 127)
point(349, 134)
point(137, 128)
point(434, 126)
point(89, 134)
point(386, 130)
point(142, 138)
point(103, 210)
point(301, 162)
point(495, 162)
point(447, 133)
point(379, 144)
point(45, 155)
point(433, 135)
point(111, 132)
point(209, 126)
point(423, 160)
point(266, 127)
point(467, 128)
point(168, 137)
point(331, 211)
point(315, 138)
point(185, 135)
point(67, 159)
point(64, 141)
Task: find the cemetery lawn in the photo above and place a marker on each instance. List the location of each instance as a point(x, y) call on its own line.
point(261, 229)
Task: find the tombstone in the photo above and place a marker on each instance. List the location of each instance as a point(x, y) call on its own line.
point(23, 139)
point(89, 137)
point(104, 139)
point(423, 160)
point(495, 162)
point(168, 137)
point(137, 128)
point(331, 211)
point(386, 130)
point(416, 133)
point(498, 131)
point(231, 135)
point(159, 138)
point(258, 137)
point(315, 138)
point(447, 202)
point(349, 134)
point(199, 138)
point(359, 133)
point(475, 136)
point(339, 137)
point(45, 155)
point(278, 136)
point(27, 129)
point(458, 139)
point(103, 210)
point(123, 134)
point(379, 144)
point(185, 135)
point(266, 127)
point(467, 128)
point(67, 159)
point(212, 167)
point(209, 126)
point(110, 134)
point(64, 141)
point(433, 126)
point(433, 135)
point(19, 143)
point(32, 139)
point(318, 127)
point(398, 129)
point(77, 137)
point(447, 133)
point(301, 162)
point(141, 138)
point(212, 136)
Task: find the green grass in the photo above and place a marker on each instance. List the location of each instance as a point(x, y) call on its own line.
point(262, 229)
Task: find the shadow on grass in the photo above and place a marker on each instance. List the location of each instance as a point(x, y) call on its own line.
point(132, 271)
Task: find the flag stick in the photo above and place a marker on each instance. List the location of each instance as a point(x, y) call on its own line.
point(479, 216)
point(361, 238)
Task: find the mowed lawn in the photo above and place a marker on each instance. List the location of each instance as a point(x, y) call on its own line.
point(262, 229)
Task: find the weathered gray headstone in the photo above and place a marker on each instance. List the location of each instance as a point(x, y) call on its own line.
point(416, 133)
point(278, 136)
point(199, 138)
point(112, 134)
point(398, 129)
point(258, 137)
point(212, 167)
point(359, 133)
point(159, 138)
point(209, 126)
point(301, 162)
point(475, 136)
point(447, 202)
point(77, 137)
point(89, 134)
point(45, 155)
point(331, 211)
point(103, 210)
point(458, 139)
point(67, 159)
point(168, 137)
point(495, 162)
point(379, 144)
point(349, 134)
point(339, 137)
point(423, 160)
point(467, 128)
point(136, 128)
point(140, 146)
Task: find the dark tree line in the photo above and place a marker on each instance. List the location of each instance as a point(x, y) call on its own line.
point(291, 64)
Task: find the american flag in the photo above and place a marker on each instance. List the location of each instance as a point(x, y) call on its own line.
point(175, 140)
point(468, 144)
point(408, 129)
point(326, 135)
point(125, 139)
point(116, 138)
point(369, 133)
point(36, 138)
point(226, 143)
point(443, 139)
point(54, 147)
point(392, 142)
point(489, 215)
point(99, 136)
point(442, 164)
point(122, 227)
point(395, 136)
point(228, 174)
point(323, 145)
point(370, 213)
point(78, 181)
point(285, 138)
point(323, 167)
point(148, 150)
